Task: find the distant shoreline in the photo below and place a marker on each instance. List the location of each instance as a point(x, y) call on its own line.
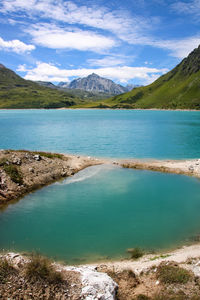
point(96, 108)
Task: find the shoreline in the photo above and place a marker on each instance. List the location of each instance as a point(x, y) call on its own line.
point(97, 108)
point(39, 169)
point(34, 170)
point(179, 255)
point(126, 279)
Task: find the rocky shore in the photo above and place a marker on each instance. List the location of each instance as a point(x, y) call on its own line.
point(168, 276)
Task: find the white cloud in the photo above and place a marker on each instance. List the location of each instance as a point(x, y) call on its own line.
point(15, 46)
point(55, 37)
point(119, 24)
point(49, 72)
point(106, 61)
point(179, 48)
point(189, 7)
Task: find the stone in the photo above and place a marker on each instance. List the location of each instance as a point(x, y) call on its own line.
point(17, 161)
point(37, 157)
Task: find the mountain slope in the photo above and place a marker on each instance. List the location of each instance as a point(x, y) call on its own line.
point(179, 88)
point(96, 84)
point(16, 92)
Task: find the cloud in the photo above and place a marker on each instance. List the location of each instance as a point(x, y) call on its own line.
point(118, 22)
point(15, 46)
point(54, 37)
point(179, 48)
point(189, 7)
point(106, 61)
point(104, 27)
point(49, 72)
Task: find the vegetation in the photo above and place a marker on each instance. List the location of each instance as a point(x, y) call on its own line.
point(173, 274)
point(135, 252)
point(15, 92)
point(5, 269)
point(160, 256)
point(12, 171)
point(49, 154)
point(142, 297)
point(41, 268)
point(87, 96)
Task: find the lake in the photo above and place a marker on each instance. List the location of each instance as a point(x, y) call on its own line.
point(105, 133)
point(103, 210)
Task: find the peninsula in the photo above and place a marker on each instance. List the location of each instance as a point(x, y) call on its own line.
point(24, 171)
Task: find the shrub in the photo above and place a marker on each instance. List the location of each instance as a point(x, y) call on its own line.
point(142, 297)
point(135, 252)
point(14, 173)
point(41, 268)
point(3, 162)
point(5, 269)
point(173, 274)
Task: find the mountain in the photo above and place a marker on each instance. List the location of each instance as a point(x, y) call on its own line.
point(130, 87)
point(178, 89)
point(47, 84)
point(63, 84)
point(16, 92)
point(96, 84)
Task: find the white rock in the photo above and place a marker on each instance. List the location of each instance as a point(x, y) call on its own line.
point(37, 157)
point(96, 285)
point(17, 161)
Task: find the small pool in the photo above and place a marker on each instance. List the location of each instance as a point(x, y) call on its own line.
point(102, 211)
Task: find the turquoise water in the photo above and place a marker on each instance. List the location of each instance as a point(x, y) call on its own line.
point(107, 133)
point(102, 211)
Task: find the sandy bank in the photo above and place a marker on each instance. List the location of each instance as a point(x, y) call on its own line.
point(189, 167)
point(180, 256)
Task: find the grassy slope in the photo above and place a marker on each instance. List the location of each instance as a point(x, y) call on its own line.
point(87, 96)
point(16, 92)
point(178, 92)
point(179, 88)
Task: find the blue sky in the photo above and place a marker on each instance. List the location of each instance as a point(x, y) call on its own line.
point(129, 41)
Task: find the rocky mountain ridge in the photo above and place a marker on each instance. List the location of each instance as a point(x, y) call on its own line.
point(95, 83)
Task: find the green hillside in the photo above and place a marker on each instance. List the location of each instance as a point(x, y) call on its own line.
point(179, 88)
point(15, 92)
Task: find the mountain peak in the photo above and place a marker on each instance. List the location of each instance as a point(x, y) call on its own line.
point(93, 75)
point(2, 66)
point(95, 83)
point(191, 64)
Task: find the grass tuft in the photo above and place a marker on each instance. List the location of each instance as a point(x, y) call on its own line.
point(41, 268)
point(173, 274)
point(135, 252)
point(5, 269)
point(14, 173)
point(11, 170)
point(49, 154)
